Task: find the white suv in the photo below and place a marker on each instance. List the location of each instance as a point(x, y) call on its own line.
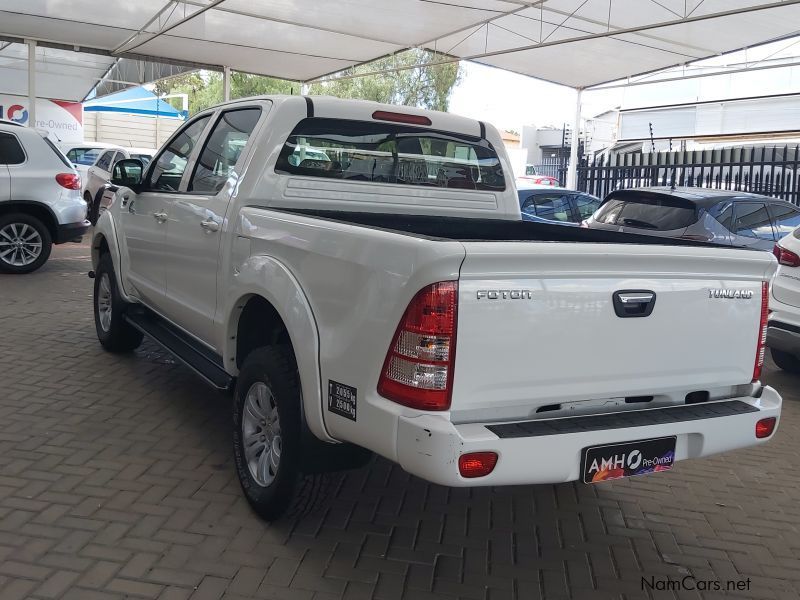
point(783, 334)
point(40, 199)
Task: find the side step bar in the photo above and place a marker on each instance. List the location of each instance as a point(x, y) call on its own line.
point(199, 359)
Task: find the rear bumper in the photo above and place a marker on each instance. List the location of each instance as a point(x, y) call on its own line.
point(534, 452)
point(70, 231)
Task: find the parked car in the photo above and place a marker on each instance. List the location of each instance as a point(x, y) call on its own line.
point(84, 154)
point(40, 199)
point(100, 172)
point(355, 309)
point(533, 176)
point(783, 334)
point(721, 217)
point(545, 204)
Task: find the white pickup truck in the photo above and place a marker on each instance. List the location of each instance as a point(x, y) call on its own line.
point(359, 276)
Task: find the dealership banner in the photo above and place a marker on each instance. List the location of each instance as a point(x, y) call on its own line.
point(62, 120)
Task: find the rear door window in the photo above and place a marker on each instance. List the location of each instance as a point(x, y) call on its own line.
point(752, 220)
point(585, 205)
point(554, 207)
point(222, 149)
point(11, 152)
point(392, 153)
point(785, 219)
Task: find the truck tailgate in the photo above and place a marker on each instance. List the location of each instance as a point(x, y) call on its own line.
point(537, 324)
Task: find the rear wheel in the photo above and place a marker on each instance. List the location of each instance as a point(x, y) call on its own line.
point(788, 362)
point(113, 331)
point(267, 441)
point(25, 243)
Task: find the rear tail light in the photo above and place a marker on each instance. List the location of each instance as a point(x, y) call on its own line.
point(765, 427)
point(71, 181)
point(786, 257)
point(761, 346)
point(418, 370)
point(476, 464)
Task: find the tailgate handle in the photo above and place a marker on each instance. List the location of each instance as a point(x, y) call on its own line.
point(634, 303)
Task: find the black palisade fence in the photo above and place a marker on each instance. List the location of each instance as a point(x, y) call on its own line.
point(772, 171)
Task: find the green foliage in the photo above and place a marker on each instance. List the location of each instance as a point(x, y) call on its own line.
point(425, 86)
point(205, 87)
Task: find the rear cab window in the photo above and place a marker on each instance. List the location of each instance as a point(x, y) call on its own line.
point(390, 153)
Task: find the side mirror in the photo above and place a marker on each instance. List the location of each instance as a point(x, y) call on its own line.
point(127, 172)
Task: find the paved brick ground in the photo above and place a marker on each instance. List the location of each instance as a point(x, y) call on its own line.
point(116, 481)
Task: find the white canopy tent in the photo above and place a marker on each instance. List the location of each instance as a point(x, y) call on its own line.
point(577, 43)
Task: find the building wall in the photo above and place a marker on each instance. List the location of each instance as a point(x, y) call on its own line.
point(128, 130)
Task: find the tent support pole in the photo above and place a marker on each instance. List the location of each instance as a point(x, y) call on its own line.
point(572, 169)
point(31, 83)
point(226, 83)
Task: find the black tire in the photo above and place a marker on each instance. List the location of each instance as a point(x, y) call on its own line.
point(115, 333)
point(21, 222)
point(785, 361)
point(92, 208)
point(289, 490)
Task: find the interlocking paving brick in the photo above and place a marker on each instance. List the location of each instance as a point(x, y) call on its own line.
point(116, 481)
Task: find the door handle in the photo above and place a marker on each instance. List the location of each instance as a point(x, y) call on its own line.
point(634, 303)
point(210, 225)
point(160, 216)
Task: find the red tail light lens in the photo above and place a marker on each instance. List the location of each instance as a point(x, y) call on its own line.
point(418, 370)
point(761, 346)
point(71, 181)
point(786, 257)
point(476, 464)
point(765, 427)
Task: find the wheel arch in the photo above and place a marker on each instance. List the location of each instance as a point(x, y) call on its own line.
point(36, 209)
point(257, 314)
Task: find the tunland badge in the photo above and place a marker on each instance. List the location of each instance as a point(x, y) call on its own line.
point(505, 295)
point(726, 293)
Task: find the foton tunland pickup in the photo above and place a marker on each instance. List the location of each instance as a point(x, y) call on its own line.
point(360, 277)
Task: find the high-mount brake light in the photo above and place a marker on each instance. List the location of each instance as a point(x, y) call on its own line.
point(418, 370)
point(385, 115)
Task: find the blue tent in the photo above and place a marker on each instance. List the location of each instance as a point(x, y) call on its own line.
point(137, 101)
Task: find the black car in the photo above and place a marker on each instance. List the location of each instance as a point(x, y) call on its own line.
point(723, 217)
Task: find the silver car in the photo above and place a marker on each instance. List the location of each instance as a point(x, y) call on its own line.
point(725, 217)
point(40, 199)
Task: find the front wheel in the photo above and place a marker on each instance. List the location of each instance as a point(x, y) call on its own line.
point(267, 441)
point(786, 361)
point(113, 331)
point(25, 243)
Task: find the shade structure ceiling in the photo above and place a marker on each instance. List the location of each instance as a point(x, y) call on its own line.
point(578, 43)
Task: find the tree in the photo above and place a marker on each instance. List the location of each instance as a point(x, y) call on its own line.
point(205, 87)
point(425, 86)
point(422, 86)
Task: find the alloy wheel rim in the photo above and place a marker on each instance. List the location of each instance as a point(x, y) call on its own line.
point(104, 302)
point(20, 244)
point(261, 434)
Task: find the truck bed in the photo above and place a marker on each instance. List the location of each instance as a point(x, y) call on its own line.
point(499, 230)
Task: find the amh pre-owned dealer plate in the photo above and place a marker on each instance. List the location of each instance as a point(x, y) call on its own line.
point(614, 461)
